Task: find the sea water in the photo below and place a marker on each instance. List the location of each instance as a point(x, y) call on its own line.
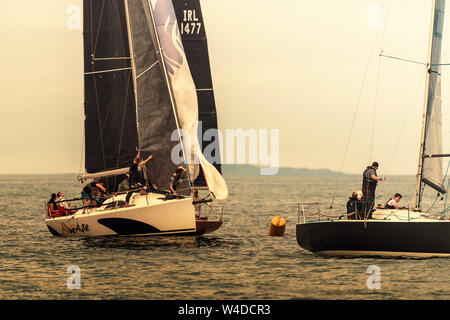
point(238, 261)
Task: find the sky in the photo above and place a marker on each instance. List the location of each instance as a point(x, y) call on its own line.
point(297, 66)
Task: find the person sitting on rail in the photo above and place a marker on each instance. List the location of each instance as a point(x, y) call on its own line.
point(63, 207)
point(52, 209)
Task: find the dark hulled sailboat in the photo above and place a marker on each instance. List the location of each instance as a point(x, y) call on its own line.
point(398, 232)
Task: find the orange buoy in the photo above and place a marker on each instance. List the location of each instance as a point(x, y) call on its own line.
point(277, 227)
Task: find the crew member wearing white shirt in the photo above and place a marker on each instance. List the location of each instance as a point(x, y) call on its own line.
point(393, 202)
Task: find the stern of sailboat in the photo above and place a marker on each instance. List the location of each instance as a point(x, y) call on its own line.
point(205, 223)
point(207, 226)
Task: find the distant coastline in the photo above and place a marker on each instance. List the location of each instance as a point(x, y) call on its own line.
point(247, 170)
point(252, 170)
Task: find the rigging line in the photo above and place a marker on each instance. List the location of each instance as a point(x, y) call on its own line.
point(355, 114)
point(438, 195)
point(100, 126)
point(448, 184)
point(375, 110)
point(146, 70)
point(112, 58)
point(98, 28)
point(91, 27)
point(95, 86)
point(406, 119)
point(123, 122)
point(82, 149)
point(105, 71)
point(402, 59)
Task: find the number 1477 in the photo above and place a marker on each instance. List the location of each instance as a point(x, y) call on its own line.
point(190, 27)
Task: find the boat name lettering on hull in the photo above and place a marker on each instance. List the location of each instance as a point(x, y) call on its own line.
point(72, 230)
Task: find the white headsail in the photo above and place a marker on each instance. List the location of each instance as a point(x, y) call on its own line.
point(184, 95)
point(432, 169)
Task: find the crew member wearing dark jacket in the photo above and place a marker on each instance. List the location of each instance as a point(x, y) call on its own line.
point(369, 185)
point(355, 206)
point(133, 174)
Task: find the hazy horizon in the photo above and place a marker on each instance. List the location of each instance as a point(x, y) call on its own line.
point(333, 173)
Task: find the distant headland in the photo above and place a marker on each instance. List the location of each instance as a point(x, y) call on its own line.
point(252, 170)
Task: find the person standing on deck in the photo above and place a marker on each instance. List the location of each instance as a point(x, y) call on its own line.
point(369, 185)
point(174, 183)
point(133, 174)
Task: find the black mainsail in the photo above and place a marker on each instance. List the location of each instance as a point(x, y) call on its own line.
point(139, 93)
point(109, 104)
point(127, 104)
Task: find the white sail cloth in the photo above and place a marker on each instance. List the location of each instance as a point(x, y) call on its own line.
point(184, 95)
point(432, 170)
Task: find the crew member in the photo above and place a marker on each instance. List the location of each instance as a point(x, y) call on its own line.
point(392, 203)
point(88, 192)
point(175, 181)
point(133, 174)
point(369, 185)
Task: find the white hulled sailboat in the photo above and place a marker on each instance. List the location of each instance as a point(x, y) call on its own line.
point(147, 86)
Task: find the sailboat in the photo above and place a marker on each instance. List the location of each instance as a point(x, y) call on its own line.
point(398, 232)
point(148, 87)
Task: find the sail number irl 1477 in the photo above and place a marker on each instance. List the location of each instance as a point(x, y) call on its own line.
point(190, 24)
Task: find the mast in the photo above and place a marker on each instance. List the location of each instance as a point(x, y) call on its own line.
point(429, 170)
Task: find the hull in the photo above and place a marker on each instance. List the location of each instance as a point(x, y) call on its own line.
point(391, 238)
point(148, 215)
